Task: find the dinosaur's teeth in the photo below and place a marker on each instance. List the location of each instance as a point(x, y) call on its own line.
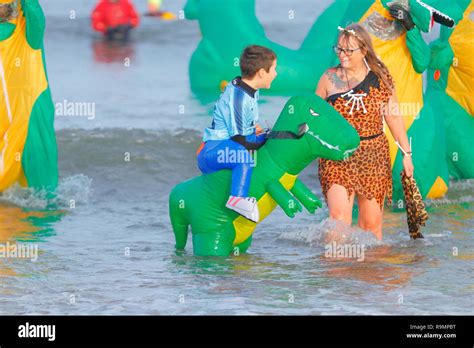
point(436, 13)
point(332, 147)
point(434, 10)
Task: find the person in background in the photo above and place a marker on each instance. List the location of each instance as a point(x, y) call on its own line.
point(115, 19)
point(154, 10)
point(28, 148)
point(154, 7)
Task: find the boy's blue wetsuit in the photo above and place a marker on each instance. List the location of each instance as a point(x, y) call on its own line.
point(227, 143)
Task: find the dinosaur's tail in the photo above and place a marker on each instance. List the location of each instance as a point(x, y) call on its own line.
point(177, 209)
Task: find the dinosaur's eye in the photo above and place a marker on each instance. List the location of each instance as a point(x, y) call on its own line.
point(314, 113)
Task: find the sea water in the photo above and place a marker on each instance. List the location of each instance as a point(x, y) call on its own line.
point(128, 127)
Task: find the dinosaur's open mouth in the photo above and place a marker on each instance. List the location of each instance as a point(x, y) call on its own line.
point(346, 153)
point(438, 16)
point(324, 143)
point(349, 152)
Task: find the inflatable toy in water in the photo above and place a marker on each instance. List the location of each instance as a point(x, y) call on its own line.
point(154, 10)
point(307, 128)
point(27, 141)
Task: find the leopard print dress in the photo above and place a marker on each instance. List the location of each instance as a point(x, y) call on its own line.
point(368, 171)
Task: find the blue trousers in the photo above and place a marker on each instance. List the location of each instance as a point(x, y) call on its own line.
point(228, 154)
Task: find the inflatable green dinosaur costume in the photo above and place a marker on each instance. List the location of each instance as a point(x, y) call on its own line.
point(200, 202)
point(404, 51)
point(28, 151)
point(451, 90)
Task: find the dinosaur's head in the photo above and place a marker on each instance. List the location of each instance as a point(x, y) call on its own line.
point(425, 12)
point(320, 131)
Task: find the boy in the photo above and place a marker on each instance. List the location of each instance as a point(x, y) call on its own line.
point(233, 129)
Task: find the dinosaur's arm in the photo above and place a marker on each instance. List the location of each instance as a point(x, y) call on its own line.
point(35, 22)
point(305, 196)
point(181, 235)
point(284, 199)
point(442, 54)
point(419, 50)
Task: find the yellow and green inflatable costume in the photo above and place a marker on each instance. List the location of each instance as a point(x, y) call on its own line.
point(28, 150)
point(451, 90)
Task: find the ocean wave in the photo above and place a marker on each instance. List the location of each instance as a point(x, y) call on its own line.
point(71, 191)
point(131, 150)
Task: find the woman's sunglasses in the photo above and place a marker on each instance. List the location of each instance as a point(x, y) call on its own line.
point(347, 51)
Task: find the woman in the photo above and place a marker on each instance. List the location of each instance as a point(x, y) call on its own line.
point(361, 89)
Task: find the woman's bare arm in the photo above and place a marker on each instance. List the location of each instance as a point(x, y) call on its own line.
point(397, 127)
point(395, 122)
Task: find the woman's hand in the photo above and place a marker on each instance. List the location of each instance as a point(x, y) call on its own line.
point(408, 166)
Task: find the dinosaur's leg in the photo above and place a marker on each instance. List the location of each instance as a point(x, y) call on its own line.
point(242, 247)
point(459, 127)
point(284, 199)
point(215, 243)
point(420, 52)
point(40, 154)
point(180, 232)
point(177, 206)
point(305, 196)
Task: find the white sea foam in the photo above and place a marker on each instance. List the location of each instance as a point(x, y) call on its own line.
point(315, 234)
point(71, 190)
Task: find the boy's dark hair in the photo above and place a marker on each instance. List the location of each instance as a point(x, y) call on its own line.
point(254, 58)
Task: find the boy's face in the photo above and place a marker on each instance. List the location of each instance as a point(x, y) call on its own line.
point(267, 78)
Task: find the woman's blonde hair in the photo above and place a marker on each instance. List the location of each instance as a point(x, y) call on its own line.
point(365, 43)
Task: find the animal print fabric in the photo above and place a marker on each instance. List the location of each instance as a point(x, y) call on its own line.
point(416, 211)
point(368, 171)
